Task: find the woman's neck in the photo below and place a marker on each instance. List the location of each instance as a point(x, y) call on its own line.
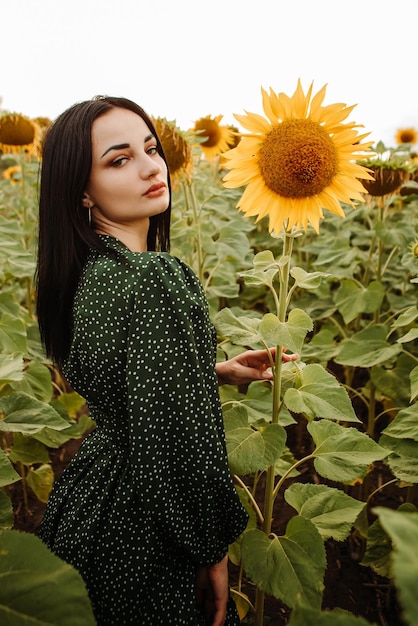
point(134, 239)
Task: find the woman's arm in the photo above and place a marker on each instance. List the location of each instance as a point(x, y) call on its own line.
point(212, 591)
point(249, 366)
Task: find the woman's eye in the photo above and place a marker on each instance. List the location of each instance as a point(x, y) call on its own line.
point(118, 162)
point(152, 150)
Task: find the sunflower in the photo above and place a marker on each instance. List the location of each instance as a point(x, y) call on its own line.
point(13, 174)
point(406, 135)
point(43, 122)
point(18, 133)
point(177, 150)
point(387, 177)
point(235, 137)
point(298, 161)
point(218, 138)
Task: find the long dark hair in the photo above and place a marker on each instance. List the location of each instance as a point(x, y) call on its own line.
point(65, 236)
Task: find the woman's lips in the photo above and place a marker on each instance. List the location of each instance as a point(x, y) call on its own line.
point(156, 190)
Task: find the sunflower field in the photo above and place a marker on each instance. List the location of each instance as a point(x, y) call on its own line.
point(305, 238)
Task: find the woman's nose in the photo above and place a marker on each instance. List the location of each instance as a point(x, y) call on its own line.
point(151, 168)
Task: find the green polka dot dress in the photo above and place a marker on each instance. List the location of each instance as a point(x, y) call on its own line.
point(148, 497)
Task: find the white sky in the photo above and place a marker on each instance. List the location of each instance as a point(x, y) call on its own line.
point(184, 59)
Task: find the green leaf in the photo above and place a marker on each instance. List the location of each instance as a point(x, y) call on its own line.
point(76, 429)
point(391, 236)
point(264, 259)
point(36, 382)
point(231, 244)
point(9, 305)
point(250, 450)
point(290, 567)
point(290, 334)
point(406, 318)
point(11, 368)
point(379, 546)
point(6, 512)
point(307, 616)
point(322, 346)
point(392, 382)
point(41, 480)
point(12, 334)
point(405, 424)
point(264, 272)
point(331, 510)
point(353, 299)
point(285, 463)
point(403, 529)
point(318, 393)
point(28, 451)
point(35, 347)
point(338, 254)
point(403, 461)
point(258, 402)
point(343, 454)
point(367, 348)
point(306, 280)
point(411, 335)
point(401, 438)
point(21, 264)
point(8, 474)
point(28, 573)
point(26, 415)
point(222, 290)
point(71, 402)
point(414, 383)
point(242, 331)
point(234, 549)
point(319, 304)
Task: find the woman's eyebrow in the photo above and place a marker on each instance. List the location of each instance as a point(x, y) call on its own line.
point(121, 146)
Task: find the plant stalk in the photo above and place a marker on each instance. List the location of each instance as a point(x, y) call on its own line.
point(277, 386)
point(198, 236)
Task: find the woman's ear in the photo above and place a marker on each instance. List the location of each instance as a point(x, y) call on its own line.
point(86, 201)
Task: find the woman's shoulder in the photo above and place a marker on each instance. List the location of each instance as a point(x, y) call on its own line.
point(119, 279)
point(117, 260)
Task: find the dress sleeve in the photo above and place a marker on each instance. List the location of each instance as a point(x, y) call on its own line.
point(178, 453)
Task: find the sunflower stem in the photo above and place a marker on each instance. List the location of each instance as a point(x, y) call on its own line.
point(259, 607)
point(250, 497)
point(191, 201)
point(281, 314)
point(269, 494)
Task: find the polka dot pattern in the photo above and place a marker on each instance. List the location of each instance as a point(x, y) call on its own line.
point(149, 496)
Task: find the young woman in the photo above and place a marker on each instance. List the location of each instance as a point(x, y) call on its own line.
point(146, 509)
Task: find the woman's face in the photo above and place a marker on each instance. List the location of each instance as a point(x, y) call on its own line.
point(128, 178)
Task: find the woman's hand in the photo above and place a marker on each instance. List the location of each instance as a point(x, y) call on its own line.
point(249, 366)
point(212, 591)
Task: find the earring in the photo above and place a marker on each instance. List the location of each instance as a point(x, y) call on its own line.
point(89, 217)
